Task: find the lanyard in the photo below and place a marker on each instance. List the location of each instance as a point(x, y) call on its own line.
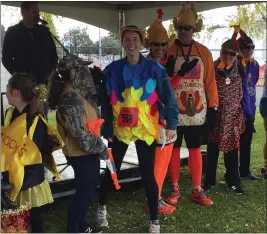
point(186, 58)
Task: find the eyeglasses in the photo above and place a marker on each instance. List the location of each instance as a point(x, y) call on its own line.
point(186, 28)
point(249, 47)
point(224, 52)
point(158, 44)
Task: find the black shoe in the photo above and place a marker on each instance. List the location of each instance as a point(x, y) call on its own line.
point(237, 189)
point(263, 171)
point(207, 187)
point(251, 177)
point(92, 229)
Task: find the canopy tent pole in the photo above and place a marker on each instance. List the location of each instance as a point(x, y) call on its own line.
point(121, 24)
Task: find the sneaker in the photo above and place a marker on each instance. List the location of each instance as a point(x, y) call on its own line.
point(264, 173)
point(174, 196)
point(251, 177)
point(237, 189)
point(199, 197)
point(101, 216)
point(92, 229)
point(207, 187)
point(163, 208)
point(154, 228)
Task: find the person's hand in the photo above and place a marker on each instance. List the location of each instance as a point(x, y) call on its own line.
point(211, 118)
point(104, 154)
point(110, 140)
point(170, 134)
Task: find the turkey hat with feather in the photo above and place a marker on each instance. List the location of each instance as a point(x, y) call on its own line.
point(188, 16)
point(157, 32)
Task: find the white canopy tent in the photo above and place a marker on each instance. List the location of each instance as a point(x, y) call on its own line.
point(112, 15)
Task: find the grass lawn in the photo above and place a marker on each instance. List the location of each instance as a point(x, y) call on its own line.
point(230, 213)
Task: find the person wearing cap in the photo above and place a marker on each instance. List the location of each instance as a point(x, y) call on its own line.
point(157, 41)
point(229, 119)
point(134, 86)
point(263, 111)
point(71, 93)
point(250, 75)
point(190, 66)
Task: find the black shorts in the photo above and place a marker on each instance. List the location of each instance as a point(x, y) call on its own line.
point(191, 134)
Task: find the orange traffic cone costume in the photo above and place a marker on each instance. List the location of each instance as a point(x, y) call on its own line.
point(157, 32)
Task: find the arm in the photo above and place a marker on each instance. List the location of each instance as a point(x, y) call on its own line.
point(7, 52)
point(245, 103)
point(210, 81)
point(71, 109)
point(167, 97)
point(257, 75)
point(106, 109)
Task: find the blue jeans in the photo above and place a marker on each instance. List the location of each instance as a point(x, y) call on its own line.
point(86, 172)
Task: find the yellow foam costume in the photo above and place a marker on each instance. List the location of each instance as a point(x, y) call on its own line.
point(19, 150)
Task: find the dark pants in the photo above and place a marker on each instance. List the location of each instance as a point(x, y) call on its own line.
point(37, 220)
point(230, 162)
point(192, 135)
point(146, 158)
point(245, 152)
point(86, 172)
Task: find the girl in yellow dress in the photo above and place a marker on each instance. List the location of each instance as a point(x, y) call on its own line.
point(27, 142)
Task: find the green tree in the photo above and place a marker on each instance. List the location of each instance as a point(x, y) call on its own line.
point(252, 19)
point(79, 41)
point(171, 30)
point(114, 36)
point(110, 44)
point(49, 19)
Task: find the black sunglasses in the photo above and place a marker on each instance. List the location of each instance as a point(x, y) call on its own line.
point(228, 53)
point(249, 47)
point(186, 28)
point(158, 44)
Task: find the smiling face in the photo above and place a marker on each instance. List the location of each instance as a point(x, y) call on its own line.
point(131, 43)
point(185, 33)
point(228, 56)
point(247, 52)
point(158, 48)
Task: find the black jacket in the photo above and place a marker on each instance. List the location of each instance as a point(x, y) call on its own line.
point(29, 50)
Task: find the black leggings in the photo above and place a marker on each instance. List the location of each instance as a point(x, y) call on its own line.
point(231, 165)
point(146, 158)
point(245, 152)
point(37, 220)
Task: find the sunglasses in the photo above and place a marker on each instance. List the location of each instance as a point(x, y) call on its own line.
point(249, 47)
point(186, 28)
point(228, 53)
point(158, 44)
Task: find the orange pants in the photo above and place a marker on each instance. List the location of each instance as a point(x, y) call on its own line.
point(162, 160)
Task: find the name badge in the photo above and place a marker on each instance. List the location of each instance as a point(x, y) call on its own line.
point(128, 117)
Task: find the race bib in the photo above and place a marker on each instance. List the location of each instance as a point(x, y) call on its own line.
point(128, 117)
